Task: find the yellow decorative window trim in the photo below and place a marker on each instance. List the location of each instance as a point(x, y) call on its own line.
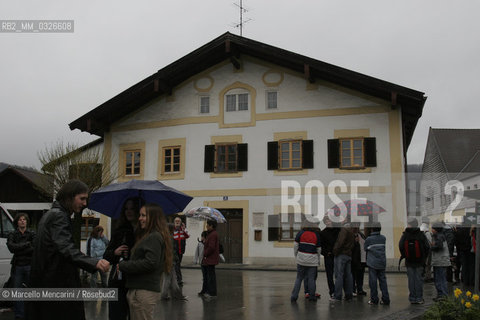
point(162, 144)
point(292, 135)
point(252, 106)
point(123, 149)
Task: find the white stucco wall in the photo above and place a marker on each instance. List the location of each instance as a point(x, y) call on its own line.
point(294, 94)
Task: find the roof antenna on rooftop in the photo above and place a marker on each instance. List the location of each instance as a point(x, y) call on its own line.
point(242, 21)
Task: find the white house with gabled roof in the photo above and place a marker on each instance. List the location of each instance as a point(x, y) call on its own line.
point(233, 120)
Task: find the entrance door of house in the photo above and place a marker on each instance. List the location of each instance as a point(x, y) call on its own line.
point(230, 235)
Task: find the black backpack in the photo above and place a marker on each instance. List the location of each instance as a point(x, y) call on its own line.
point(413, 249)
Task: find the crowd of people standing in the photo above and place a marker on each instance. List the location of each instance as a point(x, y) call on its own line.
point(439, 253)
point(145, 253)
point(142, 259)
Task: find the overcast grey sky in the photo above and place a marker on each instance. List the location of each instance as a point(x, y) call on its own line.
point(48, 80)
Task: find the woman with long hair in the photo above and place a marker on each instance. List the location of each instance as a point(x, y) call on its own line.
point(122, 241)
point(150, 257)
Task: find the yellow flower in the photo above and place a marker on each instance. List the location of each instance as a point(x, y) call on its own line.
point(463, 301)
point(468, 293)
point(468, 304)
point(457, 292)
point(475, 297)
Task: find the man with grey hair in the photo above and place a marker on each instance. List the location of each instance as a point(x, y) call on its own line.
point(414, 247)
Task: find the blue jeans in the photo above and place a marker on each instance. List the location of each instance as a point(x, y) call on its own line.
point(373, 276)
point(440, 278)
point(305, 281)
point(415, 283)
point(306, 274)
point(22, 275)
point(329, 266)
point(343, 276)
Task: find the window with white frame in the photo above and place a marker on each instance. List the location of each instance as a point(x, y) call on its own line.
point(271, 99)
point(236, 102)
point(204, 104)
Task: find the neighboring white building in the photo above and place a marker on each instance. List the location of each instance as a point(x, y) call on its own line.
point(230, 121)
point(450, 174)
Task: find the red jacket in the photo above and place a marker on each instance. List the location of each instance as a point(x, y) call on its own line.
point(179, 237)
point(211, 249)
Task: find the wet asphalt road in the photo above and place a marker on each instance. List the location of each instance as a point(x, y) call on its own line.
point(247, 294)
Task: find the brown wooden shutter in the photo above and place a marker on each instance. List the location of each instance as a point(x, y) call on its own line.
point(209, 164)
point(370, 152)
point(242, 151)
point(333, 153)
point(272, 162)
point(307, 154)
point(274, 227)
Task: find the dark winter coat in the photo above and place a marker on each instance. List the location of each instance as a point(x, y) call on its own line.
point(21, 245)
point(146, 265)
point(211, 249)
point(463, 240)
point(345, 242)
point(123, 235)
point(55, 264)
point(328, 237)
point(415, 233)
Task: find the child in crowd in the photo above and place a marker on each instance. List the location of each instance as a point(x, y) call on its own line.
point(377, 262)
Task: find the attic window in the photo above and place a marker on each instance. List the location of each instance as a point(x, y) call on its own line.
point(271, 100)
point(204, 104)
point(237, 102)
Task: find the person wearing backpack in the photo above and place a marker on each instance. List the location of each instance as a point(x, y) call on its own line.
point(414, 247)
point(440, 260)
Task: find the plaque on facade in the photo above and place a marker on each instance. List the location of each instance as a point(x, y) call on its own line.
point(258, 220)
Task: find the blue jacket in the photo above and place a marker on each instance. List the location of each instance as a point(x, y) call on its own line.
point(375, 248)
point(98, 246)
point(307, 248)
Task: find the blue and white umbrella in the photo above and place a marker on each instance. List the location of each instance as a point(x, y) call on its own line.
point(206, 213)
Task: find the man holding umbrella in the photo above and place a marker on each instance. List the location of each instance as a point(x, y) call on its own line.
point(211, 253)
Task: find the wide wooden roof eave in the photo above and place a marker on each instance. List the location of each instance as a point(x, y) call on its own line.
point(229, 46)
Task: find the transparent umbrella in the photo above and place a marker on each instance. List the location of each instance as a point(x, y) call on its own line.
point(206, 213)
